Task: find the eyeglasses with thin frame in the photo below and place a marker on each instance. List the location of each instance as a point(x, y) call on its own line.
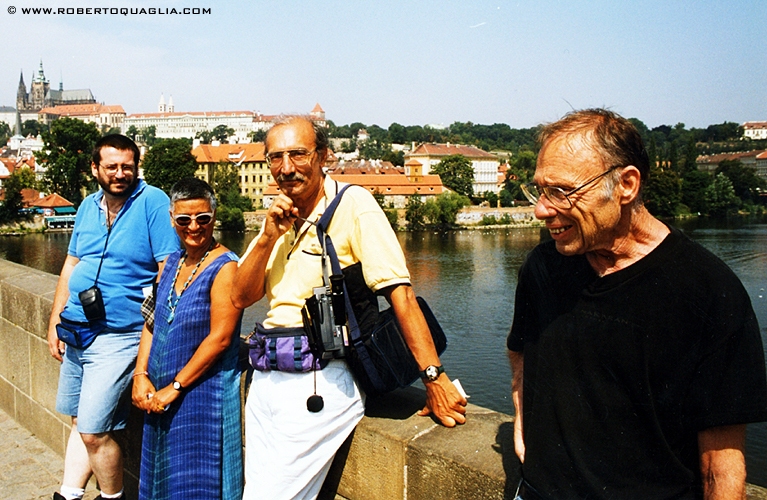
point(556, 195)
point(202, 219)
point(112, 169)
point(297, 157)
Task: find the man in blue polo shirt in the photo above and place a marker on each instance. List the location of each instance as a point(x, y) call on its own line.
point(121, 237)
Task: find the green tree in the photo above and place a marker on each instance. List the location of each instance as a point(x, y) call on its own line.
point(662, 193)
point(690, 156)
point(721, 196)
point(441, 211)
point(257, 135)
point(744, 180)
point(148, 136)
point(67, 158)
point(205, 136)
point(5, 132)
point(21, 178)
point(168, 161)
point(414, 213)
point(222, 133)
point(491, 198)
point(521, 171)
point(132, 132)
point(32, 127)
point(694, 188)
point(507, 200)
point(456, 173)
point(230, 219)
point(226, 185)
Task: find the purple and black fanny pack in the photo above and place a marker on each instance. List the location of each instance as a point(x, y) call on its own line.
point(282, 349)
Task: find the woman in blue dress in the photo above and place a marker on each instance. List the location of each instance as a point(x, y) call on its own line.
point(186, 376)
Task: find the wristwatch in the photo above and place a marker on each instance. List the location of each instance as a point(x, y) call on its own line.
point(177, 385)
point(432, 373)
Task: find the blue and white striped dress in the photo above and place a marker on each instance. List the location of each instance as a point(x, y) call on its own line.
point(193, 450)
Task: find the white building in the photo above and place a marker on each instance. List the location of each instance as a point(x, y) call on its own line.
point(170, 124)
point(755, 130)
point(485, 165)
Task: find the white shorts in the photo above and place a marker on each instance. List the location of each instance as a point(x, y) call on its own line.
point(288, 450)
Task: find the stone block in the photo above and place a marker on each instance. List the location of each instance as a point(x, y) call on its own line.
point(471, 461)
point(7, 397)
point(10, 269)
point(21, 305)
point(44, 374)
point(46, 426)
point(374, 466)
point(14, 364)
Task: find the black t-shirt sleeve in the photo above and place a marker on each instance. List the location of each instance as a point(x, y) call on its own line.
point(729, 386)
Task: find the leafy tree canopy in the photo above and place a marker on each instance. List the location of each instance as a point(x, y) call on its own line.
point(32, 127)
point(745, 182)
point(456, 173)
point(67, 158)
point(168, 161)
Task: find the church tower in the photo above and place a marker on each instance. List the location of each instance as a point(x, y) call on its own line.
point(161, 108)
point(39, 90)
point(21, 94)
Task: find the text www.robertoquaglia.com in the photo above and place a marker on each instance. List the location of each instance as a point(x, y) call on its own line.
point(113, 11)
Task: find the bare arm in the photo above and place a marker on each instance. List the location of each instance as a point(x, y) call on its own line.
point(55, 346)
point(517, 376)
point(722, 462)
point(442, 398)
point(142, 386)
point(223, 321)
point(249, 282)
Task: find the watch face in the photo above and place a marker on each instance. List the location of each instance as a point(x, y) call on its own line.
point(431, 372)
point(176, 385)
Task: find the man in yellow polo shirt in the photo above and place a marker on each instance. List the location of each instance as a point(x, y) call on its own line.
point(289, 449)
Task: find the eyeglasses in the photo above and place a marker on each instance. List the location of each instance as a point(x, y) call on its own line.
point(297, 157)
point(112, 169)
point(202, 219)
point(556, 195)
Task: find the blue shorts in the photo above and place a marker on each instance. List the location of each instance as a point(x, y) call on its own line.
point(93, 382)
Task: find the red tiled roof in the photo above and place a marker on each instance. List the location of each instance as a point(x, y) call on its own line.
point(750, 125)
point(29, 196)
point(51, 201)
point(82, 109)
point(317, 109)
point(728, 156)
point(384, 184)
point(436, 149)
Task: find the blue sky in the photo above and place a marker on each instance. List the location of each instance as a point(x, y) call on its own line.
point(415, 63)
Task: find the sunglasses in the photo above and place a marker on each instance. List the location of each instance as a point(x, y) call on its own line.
point(202, 219)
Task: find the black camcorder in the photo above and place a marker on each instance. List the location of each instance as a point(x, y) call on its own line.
point(93, 304)
point(324, 316)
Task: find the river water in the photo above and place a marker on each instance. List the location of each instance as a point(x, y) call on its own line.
point(469, 279)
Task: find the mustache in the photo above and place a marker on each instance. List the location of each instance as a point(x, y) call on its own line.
point(295, 176)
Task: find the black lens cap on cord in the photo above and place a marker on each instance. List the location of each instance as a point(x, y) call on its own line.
point(315, 403)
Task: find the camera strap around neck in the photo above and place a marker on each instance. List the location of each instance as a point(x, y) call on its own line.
point(104, 252)
point(355, 335)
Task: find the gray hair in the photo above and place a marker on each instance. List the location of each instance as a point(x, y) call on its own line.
point(192, 188)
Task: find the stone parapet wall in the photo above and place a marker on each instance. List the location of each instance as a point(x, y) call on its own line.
point(392, 454)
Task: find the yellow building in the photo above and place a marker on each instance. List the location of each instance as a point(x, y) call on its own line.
point(249, 160)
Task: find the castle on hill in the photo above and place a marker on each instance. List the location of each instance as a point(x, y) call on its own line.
point(41, 95)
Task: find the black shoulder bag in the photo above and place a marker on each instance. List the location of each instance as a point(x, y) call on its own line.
point(377, 353)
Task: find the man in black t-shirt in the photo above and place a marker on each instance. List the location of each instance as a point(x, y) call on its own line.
point(636, 355)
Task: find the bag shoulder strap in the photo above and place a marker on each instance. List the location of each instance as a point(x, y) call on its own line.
point(354, 330)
